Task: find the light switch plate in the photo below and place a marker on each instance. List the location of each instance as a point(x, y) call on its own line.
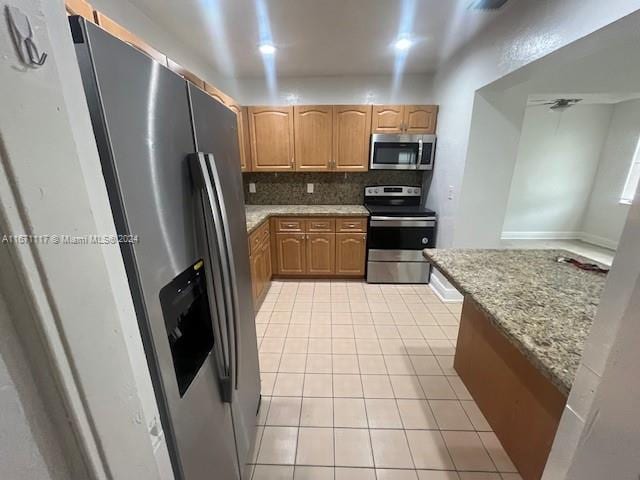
point(309, 187)
point(252, 188)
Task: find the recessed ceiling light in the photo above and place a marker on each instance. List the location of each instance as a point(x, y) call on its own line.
point(403, 44)
point(267, 48)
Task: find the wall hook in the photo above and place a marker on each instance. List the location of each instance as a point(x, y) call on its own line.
point(22, 34)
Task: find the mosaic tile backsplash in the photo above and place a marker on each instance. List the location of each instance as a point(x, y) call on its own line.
point(329, 188)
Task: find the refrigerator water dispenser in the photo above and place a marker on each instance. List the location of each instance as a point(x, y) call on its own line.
point(185, 308)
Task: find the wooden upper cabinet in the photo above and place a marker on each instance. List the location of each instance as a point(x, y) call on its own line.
point(80, 7)
point(321, 251)
point(243, 134)
point(313, 132)
point(404, 119)
point(126, 36)
point(218, 94)
point(387, 119)
point(271, 138)
point(186, 74)
point(351, 132)
point(420, 118)
point(350, 253)
point(243, 138)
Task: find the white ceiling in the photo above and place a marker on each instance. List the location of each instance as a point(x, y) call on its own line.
point(319, 37)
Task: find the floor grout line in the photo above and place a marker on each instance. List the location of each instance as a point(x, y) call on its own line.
point(405, 324)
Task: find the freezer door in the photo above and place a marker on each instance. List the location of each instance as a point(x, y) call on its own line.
point(141, 120)
point(216, 134)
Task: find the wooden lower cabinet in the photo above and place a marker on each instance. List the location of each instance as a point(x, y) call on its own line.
point(350, 253)
point(320, 246)
point(260, 263)
point(256, 261)
point(291, 253)
point(321, 253)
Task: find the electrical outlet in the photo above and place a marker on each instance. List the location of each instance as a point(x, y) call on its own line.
point(252, 188)
point(309, 187)
point(450, 194)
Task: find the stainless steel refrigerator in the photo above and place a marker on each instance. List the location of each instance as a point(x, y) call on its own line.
point(170, 159)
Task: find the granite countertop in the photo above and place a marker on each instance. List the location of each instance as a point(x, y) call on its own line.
point(256, 214)
point(543, 307)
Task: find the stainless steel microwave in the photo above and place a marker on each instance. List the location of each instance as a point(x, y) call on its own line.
point(402, 152)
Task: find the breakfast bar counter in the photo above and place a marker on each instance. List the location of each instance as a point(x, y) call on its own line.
point(524, 322)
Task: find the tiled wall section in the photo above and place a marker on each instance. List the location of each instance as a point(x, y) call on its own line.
point(329, 188)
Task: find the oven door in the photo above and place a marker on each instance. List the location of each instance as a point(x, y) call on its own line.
point(401, 233)
point(394, 249)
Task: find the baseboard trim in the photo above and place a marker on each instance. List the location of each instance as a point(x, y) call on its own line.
point(443, 289)
point(599, 241)
point(540, 235)
point(583, 236)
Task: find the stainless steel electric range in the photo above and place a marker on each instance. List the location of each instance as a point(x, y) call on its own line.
point(399, 229)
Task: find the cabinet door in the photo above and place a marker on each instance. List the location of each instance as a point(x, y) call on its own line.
point(256, 261)
point(290, 252)
point(268, 271)
point(313, 131)
point(420, 118)
point(350, 253)
point(351, 135)
point(241, 121)
point(387, 119)
point(321, 250)
point(271, 138)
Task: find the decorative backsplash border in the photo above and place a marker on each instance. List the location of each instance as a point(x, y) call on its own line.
point(329, 188)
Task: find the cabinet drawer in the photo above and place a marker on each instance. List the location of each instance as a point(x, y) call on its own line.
point(348, 224)
point(258, 237)
point(321, 225)
point(289, 224)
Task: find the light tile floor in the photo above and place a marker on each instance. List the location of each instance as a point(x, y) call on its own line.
point(358, 384)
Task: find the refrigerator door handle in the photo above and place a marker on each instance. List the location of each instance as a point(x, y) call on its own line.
point(214, 261)
point(231, 285)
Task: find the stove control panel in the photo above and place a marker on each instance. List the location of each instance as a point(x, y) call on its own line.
point(388, 191)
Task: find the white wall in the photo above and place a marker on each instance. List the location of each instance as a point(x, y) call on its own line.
point(605, 217)
point(337, 90)
point(526, 31)
point(556, 165)
point(598, 433)
point(51, 185)
point(30, 446)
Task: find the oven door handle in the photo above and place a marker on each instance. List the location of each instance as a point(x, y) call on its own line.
point(399, 222)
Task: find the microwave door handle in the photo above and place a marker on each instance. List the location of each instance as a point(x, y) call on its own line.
point(230, 284)
point(419, 159)
point(210, 247)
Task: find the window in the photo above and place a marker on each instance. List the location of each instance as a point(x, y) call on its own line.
point(633, 177)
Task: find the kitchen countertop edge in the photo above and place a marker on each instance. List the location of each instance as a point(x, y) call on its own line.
point(561, 379)
point(258, 214)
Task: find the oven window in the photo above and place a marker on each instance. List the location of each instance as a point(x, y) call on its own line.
point(401, 238)
point(388, 153)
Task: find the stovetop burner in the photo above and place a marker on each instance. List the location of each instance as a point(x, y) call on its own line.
point(400, 210)
point(395, 201)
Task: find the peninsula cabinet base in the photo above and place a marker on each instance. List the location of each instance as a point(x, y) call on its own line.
point(522, 406)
